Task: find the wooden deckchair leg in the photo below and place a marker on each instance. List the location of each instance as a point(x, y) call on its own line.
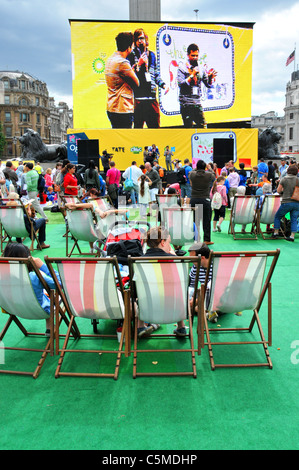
point(209, 343)
point(192, 345)
point(200, 320)
point(64, 347)
point(270, 314)
point(127, 323)
point(135, 348)
point(263, 340)
point(7, 325)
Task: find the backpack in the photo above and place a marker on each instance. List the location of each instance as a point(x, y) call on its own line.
point(123, 248)
point(216, 201)
point(181, 176)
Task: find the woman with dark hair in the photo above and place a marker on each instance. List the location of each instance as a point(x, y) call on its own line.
point(18, 250)
point(70, 181)
point(91, 177)
point(288, 205)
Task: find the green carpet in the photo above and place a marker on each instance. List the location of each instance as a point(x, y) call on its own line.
point(250, 408)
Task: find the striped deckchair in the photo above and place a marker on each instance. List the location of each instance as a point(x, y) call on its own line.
point(13, 224)
point(18, 300)
point(239, 282)
point(88, 291)
point(160, 287)
point(243, 213)
point(179, 221)
point(81, 227)
point(266, 213)
point(104, 203)
point(164, 201)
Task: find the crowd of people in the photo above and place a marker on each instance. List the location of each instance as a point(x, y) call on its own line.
point(194, 186)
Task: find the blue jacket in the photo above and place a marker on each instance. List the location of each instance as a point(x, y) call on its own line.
point(38, 288)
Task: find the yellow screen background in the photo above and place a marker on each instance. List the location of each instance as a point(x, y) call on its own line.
point(93, 42)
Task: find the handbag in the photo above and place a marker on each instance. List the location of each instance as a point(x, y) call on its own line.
point(129, 182)
point(295, 195)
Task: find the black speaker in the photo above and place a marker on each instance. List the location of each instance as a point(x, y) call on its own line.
point(88, 150)
point(171, 178)
point(223, 151)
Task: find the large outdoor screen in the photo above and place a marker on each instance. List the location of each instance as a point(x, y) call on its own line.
point(188, 75)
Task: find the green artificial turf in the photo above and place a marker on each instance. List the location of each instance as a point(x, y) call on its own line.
point(250, 408)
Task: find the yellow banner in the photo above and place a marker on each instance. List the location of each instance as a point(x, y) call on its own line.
point(185, 143)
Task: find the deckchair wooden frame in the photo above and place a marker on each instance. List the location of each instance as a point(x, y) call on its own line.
point(231, 228)
point(72, 236)
point(266, 289)
point(125, 335)
point(33, 236)
point(189, 316)
point(49, 348)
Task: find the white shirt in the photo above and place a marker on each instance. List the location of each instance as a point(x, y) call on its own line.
point(135, 173)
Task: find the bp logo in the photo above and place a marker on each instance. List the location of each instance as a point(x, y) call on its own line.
point(98, 65)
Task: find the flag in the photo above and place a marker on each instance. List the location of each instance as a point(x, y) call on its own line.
point(290, 58)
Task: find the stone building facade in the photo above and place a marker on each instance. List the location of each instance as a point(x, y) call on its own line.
point(25, 104)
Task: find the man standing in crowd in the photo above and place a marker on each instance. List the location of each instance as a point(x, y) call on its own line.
point(262, 169)
point(201, 182)
point(168, 157)
point(31, 179)
point(153, 175)
point(283, 167)
point(105, 159)
point(133, 172)
point(189, 78)
point(10, 174)
point(186, 187)
point(144, 63)
point(112, 181)
point(233, 180)
point(121, 79)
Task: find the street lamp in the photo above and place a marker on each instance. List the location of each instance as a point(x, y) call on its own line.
point(196, 14)
point(15, 140)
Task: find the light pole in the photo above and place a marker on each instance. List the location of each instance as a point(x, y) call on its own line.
point(196, 14)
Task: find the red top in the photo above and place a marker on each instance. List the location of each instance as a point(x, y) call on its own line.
point(72, 181)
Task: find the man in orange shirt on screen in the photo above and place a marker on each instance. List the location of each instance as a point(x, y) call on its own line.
point(121, 80)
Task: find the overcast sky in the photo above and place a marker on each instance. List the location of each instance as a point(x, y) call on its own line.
point(35, 38)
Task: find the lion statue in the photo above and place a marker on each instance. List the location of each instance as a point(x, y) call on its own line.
point(267, 143)
point(35, 149)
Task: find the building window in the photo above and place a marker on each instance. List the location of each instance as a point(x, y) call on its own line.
point(6, 99)
point(23, 84)
point(6, 84)
point(7, 116)
point(291, 115)
point(36, 101)
point(8, 131)
point(291, 133)
point(38, 118)
point(24, 117)
point(23, 102)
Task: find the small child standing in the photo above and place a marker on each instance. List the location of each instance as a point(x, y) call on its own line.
point(219, 214)
point(144, 195)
